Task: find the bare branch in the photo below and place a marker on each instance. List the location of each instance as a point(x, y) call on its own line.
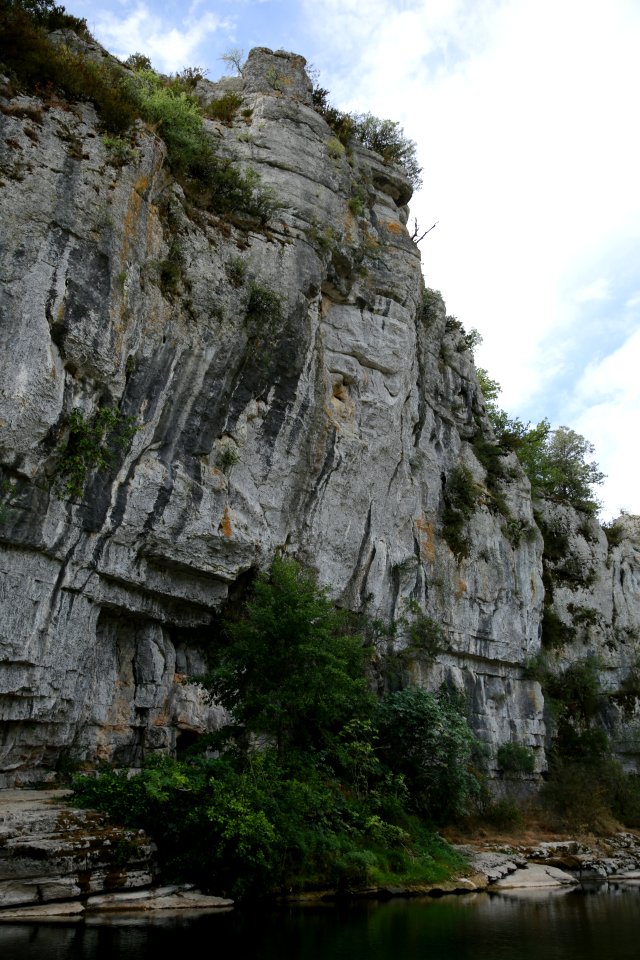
point(234, 60)
point(416, 230)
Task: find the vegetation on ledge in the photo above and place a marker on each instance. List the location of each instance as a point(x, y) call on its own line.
point(556, 461)
point(385, 137)
point(121, 96)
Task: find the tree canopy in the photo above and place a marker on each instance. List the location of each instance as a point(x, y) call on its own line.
point(334, 789)
point(288, 668)
point(386, 137)
point(556, 460)
point(426, 738)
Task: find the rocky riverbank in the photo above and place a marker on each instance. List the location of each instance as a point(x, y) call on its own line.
point(61, 861)
point(58, 861)
point(557, 862)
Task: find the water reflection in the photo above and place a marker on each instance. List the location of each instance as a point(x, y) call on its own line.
point(574, 925)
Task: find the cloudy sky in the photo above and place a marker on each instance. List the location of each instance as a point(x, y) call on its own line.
point(525, 113)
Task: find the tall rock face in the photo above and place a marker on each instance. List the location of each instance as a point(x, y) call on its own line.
point(591, 613)
point(293, 387)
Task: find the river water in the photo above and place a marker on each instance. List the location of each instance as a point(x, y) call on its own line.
point(601, 924)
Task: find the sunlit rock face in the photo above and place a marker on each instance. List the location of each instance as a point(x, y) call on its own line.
point(293, 390)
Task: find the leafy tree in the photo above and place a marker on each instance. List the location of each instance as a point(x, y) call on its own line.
point(515, 759)
point(555, 460)
point(387, 138)
point(319, 799)
point(138, 61)
point(288, 668)
point(426, 738)
point(569, 475)
point(491, 390)
point(468, 340)
point(51, 15)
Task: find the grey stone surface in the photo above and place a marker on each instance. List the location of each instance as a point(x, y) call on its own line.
point(535, 875)
point(594, 589)
point(493, 864)
point(165, 898)
point(70, 910)
point(51, 851)
point(334, 438)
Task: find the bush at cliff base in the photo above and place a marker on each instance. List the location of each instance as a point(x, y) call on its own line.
point(314, 784)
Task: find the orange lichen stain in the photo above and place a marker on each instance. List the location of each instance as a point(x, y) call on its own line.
point(60, 313)
point(129, 223)
point(348, 226)
point(461, 588)
point(394, 227)
point(341, 403)
point(427, 543)
point(331, 416)
point(225, 527)
point(142, 184)
point(153, 223)
point(132, 215)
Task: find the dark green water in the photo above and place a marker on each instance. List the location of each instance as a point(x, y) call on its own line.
point(601, 925)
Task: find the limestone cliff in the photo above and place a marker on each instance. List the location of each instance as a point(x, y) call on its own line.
point(293, 388)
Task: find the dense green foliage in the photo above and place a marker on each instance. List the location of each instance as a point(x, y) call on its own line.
point(124, 96)
point(245, 825)
point(614, 533)
point(47, 13)
point(515, 759)
point(555, 633)
point(224, 108)
point(426, 738)
point(314, 782)
point(468, 341)
point(586, 787)
point(35, 64)
point(386, 137)
point(425, 639)
point(90, 444)
point(288, 668)
point(460, 497)
point(555, 460)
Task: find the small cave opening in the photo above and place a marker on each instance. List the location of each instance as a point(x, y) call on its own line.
point(185, 739)
point(241, 586)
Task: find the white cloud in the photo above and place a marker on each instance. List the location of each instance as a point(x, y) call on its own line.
point(598, 290)
point(144, 30)
point(614, 376)
point(608, 395)
point(633, 302)
point(523, 111)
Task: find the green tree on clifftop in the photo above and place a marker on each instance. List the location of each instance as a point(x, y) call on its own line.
point(555, 460)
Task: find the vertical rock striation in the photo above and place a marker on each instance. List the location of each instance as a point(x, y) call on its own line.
point(293, 387)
